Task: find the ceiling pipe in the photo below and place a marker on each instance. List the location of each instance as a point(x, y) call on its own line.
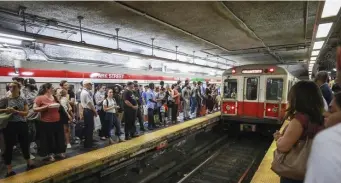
point(251, 32)
point(63, 25)
point(56, 41)
point(305, 19)
point(144, 14)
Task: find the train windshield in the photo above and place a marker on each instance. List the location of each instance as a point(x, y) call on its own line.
point(230, 88)
point(274, 89)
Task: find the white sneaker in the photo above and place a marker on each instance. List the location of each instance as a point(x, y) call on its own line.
point(68, 146)
point(32, 157)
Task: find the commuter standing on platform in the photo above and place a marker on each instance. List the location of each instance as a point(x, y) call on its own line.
point(99, 98)
point(194, 102)
point(151, 105)
point(89, 113)
point(130, 109)
point(186, 95)
point(138, 96)
point(322, 81)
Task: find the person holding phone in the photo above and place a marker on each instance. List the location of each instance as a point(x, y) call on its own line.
point(17, 128)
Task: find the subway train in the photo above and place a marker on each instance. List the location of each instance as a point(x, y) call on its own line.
point(54, 73)
point(254, 97)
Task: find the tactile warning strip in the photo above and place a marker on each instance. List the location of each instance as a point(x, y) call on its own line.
point(264, 174)
point(94, 158)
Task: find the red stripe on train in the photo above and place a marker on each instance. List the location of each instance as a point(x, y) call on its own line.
point(253, 109)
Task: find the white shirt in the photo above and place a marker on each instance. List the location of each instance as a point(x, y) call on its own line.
point(324, 163)
point(326, 107)
point(111, 102)
point(86, 98)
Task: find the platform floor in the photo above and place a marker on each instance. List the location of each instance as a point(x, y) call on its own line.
point(264, 174)
point(87, 160)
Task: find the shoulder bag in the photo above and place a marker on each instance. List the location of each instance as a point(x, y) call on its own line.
point(293, 164)
point(4, 117)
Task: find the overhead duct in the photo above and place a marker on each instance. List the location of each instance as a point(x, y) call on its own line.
point(62, 42)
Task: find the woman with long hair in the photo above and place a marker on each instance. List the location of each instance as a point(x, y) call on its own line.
point(52, 139)
point(17, 128)
point(110, 107)
point(305, 115)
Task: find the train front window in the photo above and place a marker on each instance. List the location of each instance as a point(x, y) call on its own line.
point(251, 88)
point(274, 88)
point(230, 88)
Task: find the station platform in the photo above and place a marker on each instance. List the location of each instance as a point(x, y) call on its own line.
point(264, 174)
point(72, 168)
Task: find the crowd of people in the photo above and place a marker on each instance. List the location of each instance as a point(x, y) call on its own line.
point(52, 119)
point(308, 148)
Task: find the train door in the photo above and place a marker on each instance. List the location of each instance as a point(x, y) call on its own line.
point(229, 100)
point(250, 102)
point(273, 98)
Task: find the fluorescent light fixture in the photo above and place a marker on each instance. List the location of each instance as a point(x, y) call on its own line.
point(10, 41)
point(313, 58)
point(334, 69)
point(323, 30)
point(16, 37)
point(120, 54)
point(27, 73)
point(315, 53)
point(318, 45)
point(331, 8)
point(78, 47)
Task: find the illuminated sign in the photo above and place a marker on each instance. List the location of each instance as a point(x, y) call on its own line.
point(106, 76)
point(256, 71)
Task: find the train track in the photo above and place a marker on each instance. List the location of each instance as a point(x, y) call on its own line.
point(230, 163)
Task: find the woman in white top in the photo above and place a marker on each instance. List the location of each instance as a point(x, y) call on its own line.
point(64, 101)
point(110, 107)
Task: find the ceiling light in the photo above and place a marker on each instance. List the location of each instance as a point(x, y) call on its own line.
point(318, 45)
point(313, 58)
point(124, 55)
point(10, 41)
point(78, 47)
point(334, 69)
point(331, 8)
point(323, 30)
point(16, 37)
point(315, 53)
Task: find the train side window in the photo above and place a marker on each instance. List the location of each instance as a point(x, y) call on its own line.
point(251, 88)
point(274, 88)
point(230, 88)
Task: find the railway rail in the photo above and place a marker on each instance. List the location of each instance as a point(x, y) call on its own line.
point(233, 162)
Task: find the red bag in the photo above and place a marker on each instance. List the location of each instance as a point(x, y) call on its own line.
point(203, 110)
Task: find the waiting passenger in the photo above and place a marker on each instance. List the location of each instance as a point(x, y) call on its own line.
point(333, 117)
point(151, 105)
point(324, 163)
point(89, 112)
point(322, 81)
point(52, 138)
point(305, 115)
point(130, 109)
point(194, 103)
point(176, 97)
point(17, 128)
point(160, 99)
point(186, 96)
point(110, 107)
point(64, 101)
point(99, 98)
point(139, 100)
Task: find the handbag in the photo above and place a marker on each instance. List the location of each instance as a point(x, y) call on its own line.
point(4, 118)
point(293, 164)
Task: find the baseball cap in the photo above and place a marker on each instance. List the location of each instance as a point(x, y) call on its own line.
point(87, 82)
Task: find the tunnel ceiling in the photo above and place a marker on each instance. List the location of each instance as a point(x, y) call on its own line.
point(236, 33)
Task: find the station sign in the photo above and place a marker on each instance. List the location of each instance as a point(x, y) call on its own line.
point(252, 71)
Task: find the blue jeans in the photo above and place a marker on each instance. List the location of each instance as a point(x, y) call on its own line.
point(194, 104)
